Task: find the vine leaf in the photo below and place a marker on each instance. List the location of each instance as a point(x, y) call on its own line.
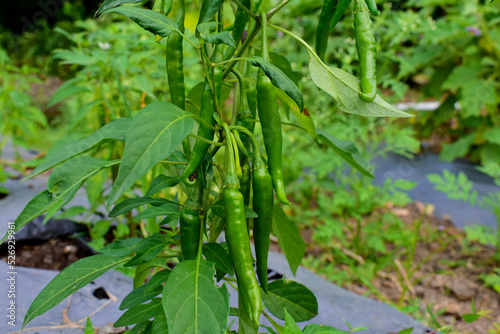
point(68, 281)
point(154, 134)
point(115, 130)
point(279, 79)
point(344, 88)
point(108, 4)
point(192, 302)
point(150, 20)
point(289, 238)
point(298, 300)
point(62, 186)
point(348, 151)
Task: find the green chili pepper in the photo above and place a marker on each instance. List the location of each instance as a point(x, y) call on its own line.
point(190, 224)
point(263, 203)
point(339, 12)
point(237, 237)
point(240, 22)
point(200, 147)
point(367, 52)
point(244, 117)
point(270, 120)
point(372, 6)
point(322, 31)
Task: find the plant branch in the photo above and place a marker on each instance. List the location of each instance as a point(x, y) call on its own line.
point(246, 10)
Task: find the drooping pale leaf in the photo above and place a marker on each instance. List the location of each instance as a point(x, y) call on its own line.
point(68, 281)
point(192, 302)
point(156, 211)
point(140, 313)
point(344, 88)
point(139, 296)
point(289, 238)
point(208, 10)
point(290, 324)
point(298, 300)
point(148, 249)
point(154, 134)
point(115, 130)
point(132, 203)
point(158, 279)
point(304, 117)
point(322, 329)
point(214, 252)
point(150, 20)
point(348, 151)
point(161, 182)
point(280, 80)
point(108, 4)
point(121, 247)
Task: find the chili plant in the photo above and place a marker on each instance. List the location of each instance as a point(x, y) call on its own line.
point(205, 200)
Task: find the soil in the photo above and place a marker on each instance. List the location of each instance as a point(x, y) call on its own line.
point(447, 281)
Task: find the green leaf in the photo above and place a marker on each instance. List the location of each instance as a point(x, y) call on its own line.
point(208, 34)
point(298, 300)
point(217, 254)
point(148, 249)
point(139, 296)
point(208, 10)
point(154, 134)
point(158, 279)
point(164, 210)
point(121, 247)
point(149, 20)
point(65, 92)
point(160, 324)
point(132, 203)
point(108, 4)
point(68, 281)
point(280, 80)
point(115, 130)
point(290, 324)
point(161, 182)
point(144, 327)
point(284, 65)
point(322, 329)
point(192, 302)
point(406, 331)
point(304, 117)
point(344, 88)
point(458, 148)
point(348, 151)
point(89, 329)
point(140, 313)
point(289, 238)
point(493, 135)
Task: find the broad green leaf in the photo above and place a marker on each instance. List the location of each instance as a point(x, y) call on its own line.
point(289, 238)
point(150, 20)
point(144, 327)
point(132, 203)
point(156, 211)
point(115, 130)
point(108, 4)
point(217, 254)
point(493, 135)
point(62, 186)
point(348, 151)
point(284, 65)
point(208, 10)
point(304, 117)
point(160, 324)
point(192, 302)
point(298, 300)
point(290, 324)
point(223, 37)
point(158, 279)
point(161, 182)
point(154, 134)
point(469, 317)
point(140, 313)
point(148, 249)
point(68, 281)
point(121, 247)
point(62, 94)
point(322, 329)
point(458, 148)
point(139, 296)
point(344, 88)
point(280, 80)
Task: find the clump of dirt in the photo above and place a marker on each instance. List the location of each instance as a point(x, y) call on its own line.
point(54, 254)
point(446, 278)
